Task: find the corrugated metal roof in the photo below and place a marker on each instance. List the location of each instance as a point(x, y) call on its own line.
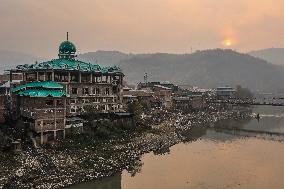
point(42, 84)
point(68, 64)
point(43, 93)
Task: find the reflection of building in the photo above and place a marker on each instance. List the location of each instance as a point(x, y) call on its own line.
point(78, 85)
point(225, 93)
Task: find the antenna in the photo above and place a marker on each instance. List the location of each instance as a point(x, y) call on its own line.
point(146, 78)
point(67, 36)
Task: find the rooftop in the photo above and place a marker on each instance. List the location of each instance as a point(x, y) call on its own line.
point(68, 65)
point(43, 93)
point(37, 85)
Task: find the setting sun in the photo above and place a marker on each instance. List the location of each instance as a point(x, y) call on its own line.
point(227, 43)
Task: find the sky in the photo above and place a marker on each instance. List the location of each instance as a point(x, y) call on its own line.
point(37, 27)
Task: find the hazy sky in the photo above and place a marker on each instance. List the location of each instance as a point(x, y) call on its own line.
point(38, 26)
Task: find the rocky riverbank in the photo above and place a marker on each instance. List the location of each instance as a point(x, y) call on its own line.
point(84, 158)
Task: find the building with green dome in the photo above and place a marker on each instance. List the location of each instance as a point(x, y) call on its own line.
point(67, 83)
point(67, 50)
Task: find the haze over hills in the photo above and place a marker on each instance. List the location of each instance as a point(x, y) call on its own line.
point(206, 69)
point(209, 68)
point(105, 58)
point(272, 55)
point(9, 59)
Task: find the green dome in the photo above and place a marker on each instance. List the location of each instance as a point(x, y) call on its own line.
point(67, 47)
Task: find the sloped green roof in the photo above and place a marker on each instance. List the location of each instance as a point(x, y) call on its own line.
point(43, 93)
point(43, 84)
point(68, 64)
point(187, 93)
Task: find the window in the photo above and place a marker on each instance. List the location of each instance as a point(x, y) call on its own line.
point(49, 102)
point(99, 79)
point(73, 109)
point(49, 76)
point(74, 77)
point(85, 101)
point(85, 91)
point(85, 78)
point(73, 101)
point(96, 91)
point(104, 79)
point(59, 102)
point(74, 91)
point(107, 91)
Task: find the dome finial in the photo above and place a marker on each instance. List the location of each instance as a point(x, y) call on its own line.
point(67, 36)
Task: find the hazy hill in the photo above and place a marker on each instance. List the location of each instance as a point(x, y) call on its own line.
point(272, 55)
point(210, 68)
point(9, 59)
point(104, 58)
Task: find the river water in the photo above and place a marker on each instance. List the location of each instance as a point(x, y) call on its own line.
point(214, 159)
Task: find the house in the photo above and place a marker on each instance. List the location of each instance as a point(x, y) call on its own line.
point(163, 95)
point(42, 107)
point(190, 100)
point(59, 90)
point(225, 93)
point(143, 96)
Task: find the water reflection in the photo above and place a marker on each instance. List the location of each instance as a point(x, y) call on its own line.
point(212, 158)
point(113, 182)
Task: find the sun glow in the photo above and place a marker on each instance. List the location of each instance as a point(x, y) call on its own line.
point(228, 43)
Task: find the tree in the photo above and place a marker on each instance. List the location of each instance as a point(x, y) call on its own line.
point(135, 108)
point(243, 93)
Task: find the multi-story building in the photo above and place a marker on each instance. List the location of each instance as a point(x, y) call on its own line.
point(83, 83)
point(225, 93)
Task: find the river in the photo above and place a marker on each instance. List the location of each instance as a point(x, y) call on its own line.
point(214, 159)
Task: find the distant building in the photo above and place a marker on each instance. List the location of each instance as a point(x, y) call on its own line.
point(4, 94)
point(6, 77)
point(225, 93)
point(163, 95)
point(143, 96)
point(151, 85)
point(189, 103)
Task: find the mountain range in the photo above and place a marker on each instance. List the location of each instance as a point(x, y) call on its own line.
point(271, 55)
point(205, 69)
point(10, 59)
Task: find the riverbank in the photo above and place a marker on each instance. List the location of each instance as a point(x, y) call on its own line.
point(84, 158)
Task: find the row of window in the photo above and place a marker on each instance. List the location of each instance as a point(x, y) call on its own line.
point(106, 107)
point(96, 100)
point(49, 123)
point(86, 91)
point(50, 102)
point(74, 77)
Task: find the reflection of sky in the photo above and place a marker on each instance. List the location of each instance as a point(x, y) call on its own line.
point(244, 163)
point(219, 159)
